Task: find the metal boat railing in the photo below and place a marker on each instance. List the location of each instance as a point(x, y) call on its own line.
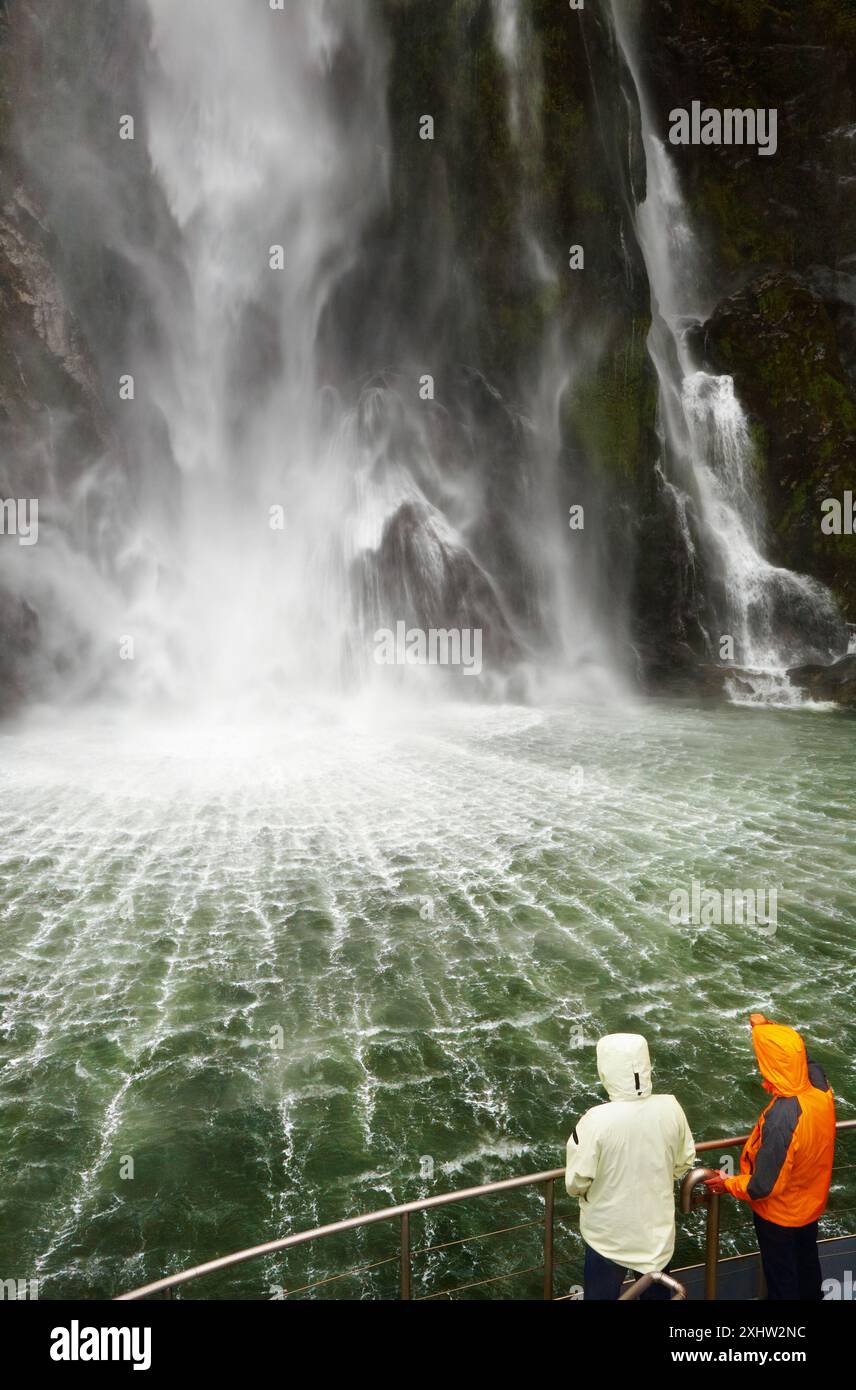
point(695, 1194)
point(691, 1197)
point(637, 1289)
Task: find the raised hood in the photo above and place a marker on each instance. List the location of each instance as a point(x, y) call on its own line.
point(781, 1058)
point(624, 1066)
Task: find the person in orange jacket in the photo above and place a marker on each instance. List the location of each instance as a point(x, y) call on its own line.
point(786, 1165)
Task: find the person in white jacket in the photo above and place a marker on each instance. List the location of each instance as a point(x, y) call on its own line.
point(623, 1159)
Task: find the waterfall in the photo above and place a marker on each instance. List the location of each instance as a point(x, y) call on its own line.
point(775, 618)
point(283, 483)
point(271, 498)
point(581, 651)
point(250, 155)
point(204, 250)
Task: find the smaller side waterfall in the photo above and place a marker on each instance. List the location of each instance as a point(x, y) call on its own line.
point(770, 610)
point(774, 618)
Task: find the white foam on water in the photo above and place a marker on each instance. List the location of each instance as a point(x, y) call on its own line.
point(169, 894)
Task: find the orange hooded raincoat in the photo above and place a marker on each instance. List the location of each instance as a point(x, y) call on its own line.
point(786, 1166)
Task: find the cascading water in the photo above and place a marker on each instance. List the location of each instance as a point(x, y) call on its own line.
point(253, 156)
point(270, 514)
point(273, 512)
point(775, 618)
point(232, 512)
point(580, 639)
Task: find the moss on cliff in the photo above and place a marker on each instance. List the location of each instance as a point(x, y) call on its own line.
point(612, 408)
point(742, 235)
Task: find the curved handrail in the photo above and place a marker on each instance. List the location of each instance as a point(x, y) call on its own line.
point(403, 1211)
point(689, 1183)
point(645, 1281)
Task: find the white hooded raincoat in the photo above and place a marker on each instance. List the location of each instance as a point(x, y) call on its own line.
point(623, 1160)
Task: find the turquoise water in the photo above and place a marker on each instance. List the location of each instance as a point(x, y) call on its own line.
point(285, 972)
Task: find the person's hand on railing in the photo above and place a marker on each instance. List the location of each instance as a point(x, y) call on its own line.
point(715, 1185)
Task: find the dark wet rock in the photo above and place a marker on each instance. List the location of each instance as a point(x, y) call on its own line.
point(44, 360)
point(466, 274)
point(678, 671)
point(796, 208)
point(422, 576)
point(54, 425)
point(19, 630)
point(836, 682)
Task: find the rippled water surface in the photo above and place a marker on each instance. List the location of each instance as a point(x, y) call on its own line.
point(286, 973)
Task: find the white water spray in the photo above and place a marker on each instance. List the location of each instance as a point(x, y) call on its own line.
point(254, 155)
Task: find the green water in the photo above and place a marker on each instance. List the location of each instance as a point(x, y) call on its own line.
point(436, 914)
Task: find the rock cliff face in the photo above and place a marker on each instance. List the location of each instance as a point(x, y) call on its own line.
point(780, 237)
point(53, 424)
point(464, 275)
point(467, 274)
point(59, 440)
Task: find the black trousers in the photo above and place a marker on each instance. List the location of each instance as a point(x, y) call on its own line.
point(602, 1280)
point(791, 1262)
